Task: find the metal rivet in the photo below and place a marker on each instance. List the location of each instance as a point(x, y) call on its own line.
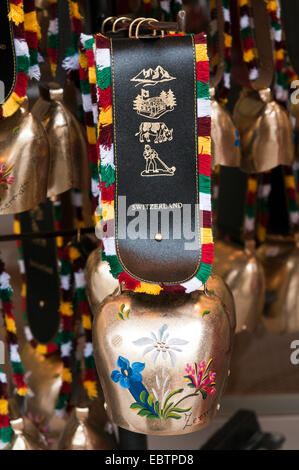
point(158, 237)
point(41, 303)
point(228, 372)
point(218, 407)
point(105, 406)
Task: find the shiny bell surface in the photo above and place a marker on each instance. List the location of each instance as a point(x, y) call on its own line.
point(162, 360)
point(24, 162)
point(99, 280)
point(280, 258)
point(80, 434)
point(244, 274)
point(265, 132)
point(225, 137)
point(68, 147)
point(44, 380)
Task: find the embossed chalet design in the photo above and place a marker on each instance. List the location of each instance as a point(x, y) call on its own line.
point(154, 107)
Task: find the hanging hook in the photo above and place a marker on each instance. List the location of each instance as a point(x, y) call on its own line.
point(106, 20)
point(147, 20)
point(132, 24)
point(122, 18)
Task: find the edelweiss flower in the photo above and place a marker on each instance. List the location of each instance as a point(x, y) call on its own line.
point(161, 344)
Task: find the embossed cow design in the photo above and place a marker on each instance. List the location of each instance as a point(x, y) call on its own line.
point(159, 130)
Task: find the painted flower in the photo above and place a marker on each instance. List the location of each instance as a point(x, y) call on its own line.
point(200, 378)
point(4, 175)
point(161, 344)
point(161, 390)
point(127, 375)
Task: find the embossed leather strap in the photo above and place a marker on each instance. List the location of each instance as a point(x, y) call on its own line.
point(155, 152)
point(154, 87)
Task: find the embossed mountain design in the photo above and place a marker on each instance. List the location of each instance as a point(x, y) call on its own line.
point(151, 76)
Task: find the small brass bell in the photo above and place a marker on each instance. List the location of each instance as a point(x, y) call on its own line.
point(24, 162)
point(280, 258)
point(265, 132)
point(25, 435)
point(44, 380)
point(244, 274)
point(68, 147)
point(162, 360)
point(225, 136)
point(79, 434)
point(99, 280)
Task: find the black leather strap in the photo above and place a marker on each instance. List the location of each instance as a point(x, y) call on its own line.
point(42, 282)
point(155, 150)
point(7, 53)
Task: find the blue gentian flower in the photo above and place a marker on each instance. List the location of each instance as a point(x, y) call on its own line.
point(128, 375)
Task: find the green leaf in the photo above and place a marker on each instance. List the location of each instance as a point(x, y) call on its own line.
point(157, 407)
point(136, 406)
point(167, 408)
point(152, 415)
point(204, 394)
point(205, 312)
point(144, 412)
point(180, 410)
point(128, 313)
point(143, 396)
point(122, 308)
point(150, 399)
point(179, 390)
point(174, 416)
point(120, 317)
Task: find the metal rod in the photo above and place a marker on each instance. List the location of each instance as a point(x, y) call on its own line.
point(33, 235)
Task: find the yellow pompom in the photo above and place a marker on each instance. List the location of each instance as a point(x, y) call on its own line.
point(92, 75)
point(22, 391)
point(204, 145)
point(66, 309)
point(206, 236)
point(106, 116)
point(228, 40)
point(31, 23)
point(91, 135)
point(10, 324)
point(146, 288)
point(42, 349)
point(248, 55)
point(17, 226)
point(290, 181)
point(23, 290)
point(66, 375)
point(91, 388)
point(74, 10)
point(3, 406)
point(59, 242)
point(201, 52)
point(252, 185)
point(74, 253)
point(16, 13)
point(83, 60)
point(86, 322)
